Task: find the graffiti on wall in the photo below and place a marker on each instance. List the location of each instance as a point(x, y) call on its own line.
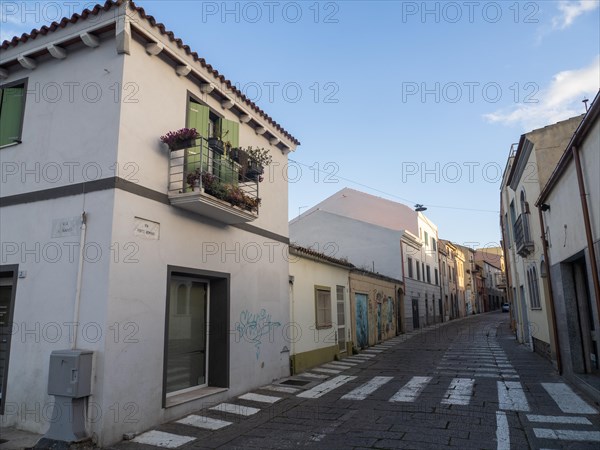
point(390, 314)
point(362, 321)
point(254, 327)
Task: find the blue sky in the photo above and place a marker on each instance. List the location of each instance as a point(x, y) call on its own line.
point(416, 102)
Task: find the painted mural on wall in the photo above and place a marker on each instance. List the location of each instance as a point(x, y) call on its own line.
point(255, 328)
point(362, 320)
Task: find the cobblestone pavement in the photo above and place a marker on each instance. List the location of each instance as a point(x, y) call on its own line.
point(465, 384)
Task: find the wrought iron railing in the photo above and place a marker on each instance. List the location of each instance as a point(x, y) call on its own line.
point(523, 241)
point(204, 169)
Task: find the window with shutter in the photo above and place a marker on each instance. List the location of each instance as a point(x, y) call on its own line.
point(227, 170)
point(198, 118)
point(323, 307)
point(12, 106)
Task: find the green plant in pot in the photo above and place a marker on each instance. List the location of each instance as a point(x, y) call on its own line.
point(253, 162)
point(216, 143)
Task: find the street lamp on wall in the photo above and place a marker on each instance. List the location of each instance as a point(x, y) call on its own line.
point(420, 208)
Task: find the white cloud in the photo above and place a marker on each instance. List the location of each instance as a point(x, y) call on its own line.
point(570, 10)
point(560, 100)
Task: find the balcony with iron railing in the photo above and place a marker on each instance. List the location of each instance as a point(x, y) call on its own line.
point(523, 241)
point(500, 280)
point(221, 186)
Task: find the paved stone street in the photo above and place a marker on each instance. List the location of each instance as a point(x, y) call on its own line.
point(465, 384)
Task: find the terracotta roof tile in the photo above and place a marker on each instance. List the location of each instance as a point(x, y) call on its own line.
point(163, 30)
point(318, 255)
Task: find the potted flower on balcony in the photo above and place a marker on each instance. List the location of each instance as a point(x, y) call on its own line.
point(193, 180)
point(253, 162)
point(183, 138)
point(215, 142)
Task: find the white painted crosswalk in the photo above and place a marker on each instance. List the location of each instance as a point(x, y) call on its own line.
point(411, 390)
point(162, 439)
point(567, 400)
point(361, 392)
point(325, 387)
point(567, 435)
point(231, 408)
point(207, 423)
point(259, 398)
point(558, 419)
point(511, 396)
point(459, 392)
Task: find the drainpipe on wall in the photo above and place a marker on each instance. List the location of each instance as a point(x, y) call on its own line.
point(550, 292)
point(588, 227)
point(402, 324)
point(79, 280)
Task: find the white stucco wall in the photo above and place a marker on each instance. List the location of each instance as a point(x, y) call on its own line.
point(45, 298)
point(59, 147)
point(565, 204)
point(364, 244)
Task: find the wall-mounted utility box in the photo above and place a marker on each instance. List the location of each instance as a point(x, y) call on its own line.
point(70, 373)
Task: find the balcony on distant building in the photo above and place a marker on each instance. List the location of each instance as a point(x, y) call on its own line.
point(523, 241)
point(500, 280)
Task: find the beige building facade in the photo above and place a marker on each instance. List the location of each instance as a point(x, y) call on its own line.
point(529, 167)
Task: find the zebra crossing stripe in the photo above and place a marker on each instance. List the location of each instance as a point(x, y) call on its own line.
point(567, 435)
point(236, 409)
point(372, 350)
point(411, 390)
point(502, 431)
point(286, 389)
point(567, 400)
point(335, 366)
point(558, 419)
point(259, 398)
point(364, 355)
point(318, 369)
point(162, 439)
point(459, 392)
point(361, 392)
point(511, 396)
point(313, 375)
point(327, 386)
point(344, 363)
point(207, 423)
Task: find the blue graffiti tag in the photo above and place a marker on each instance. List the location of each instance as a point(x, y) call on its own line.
point(253, 327)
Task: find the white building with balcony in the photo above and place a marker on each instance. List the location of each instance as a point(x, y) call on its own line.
point(528, 168)
point(178, 284)
point(570, 212)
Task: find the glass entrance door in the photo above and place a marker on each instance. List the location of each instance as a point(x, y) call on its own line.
point(187, 347)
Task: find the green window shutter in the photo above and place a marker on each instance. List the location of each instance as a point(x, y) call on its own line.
point(230, 131)
point(11, 113)
point(198, 116)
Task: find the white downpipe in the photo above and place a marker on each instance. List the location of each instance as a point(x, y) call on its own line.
point(79, 280)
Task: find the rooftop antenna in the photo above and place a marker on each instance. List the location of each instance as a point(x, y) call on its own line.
point(585, 102)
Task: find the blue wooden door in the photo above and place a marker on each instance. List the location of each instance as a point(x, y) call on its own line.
point(362, 320)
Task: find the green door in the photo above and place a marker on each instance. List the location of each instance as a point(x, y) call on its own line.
point(197, 157)
point(225, 169)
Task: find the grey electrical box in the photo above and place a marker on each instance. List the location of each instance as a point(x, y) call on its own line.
point(70, 373)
